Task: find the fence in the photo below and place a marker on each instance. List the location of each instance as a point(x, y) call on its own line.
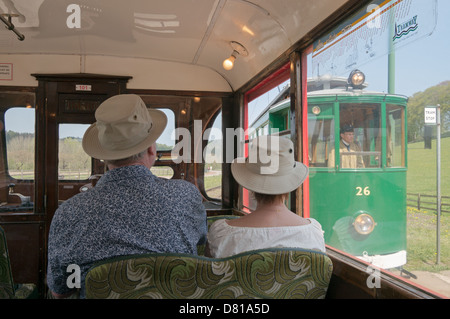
point(429, 202)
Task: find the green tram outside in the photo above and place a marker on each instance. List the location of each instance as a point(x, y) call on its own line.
point(359, 196)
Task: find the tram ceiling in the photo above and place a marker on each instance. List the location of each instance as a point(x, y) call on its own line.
point(196, 33)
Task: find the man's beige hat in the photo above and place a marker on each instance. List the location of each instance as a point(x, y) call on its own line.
point(270, 167)
point(124, 127)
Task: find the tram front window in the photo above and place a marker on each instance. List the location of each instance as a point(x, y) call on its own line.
point(395, 136)
point(73, 162)
point(320, 134)
point(360, 136)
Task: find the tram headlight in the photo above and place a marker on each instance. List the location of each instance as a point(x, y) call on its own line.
point(364, 224)
point(316, 110)
point(356, 79)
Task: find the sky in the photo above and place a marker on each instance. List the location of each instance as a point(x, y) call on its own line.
point(420, 64)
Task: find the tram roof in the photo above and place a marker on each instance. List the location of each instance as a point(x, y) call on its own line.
point(162, 44)
point(338, 89)
point(351, 92)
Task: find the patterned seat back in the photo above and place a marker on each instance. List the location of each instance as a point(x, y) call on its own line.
point(8, 289)
point(6, 279)
point(272, 273)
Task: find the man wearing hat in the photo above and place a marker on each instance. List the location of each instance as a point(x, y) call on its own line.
point(129, 211)
point(347, 146)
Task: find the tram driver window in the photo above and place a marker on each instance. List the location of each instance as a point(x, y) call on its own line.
point(213, 160)
point(73, 162)
point(360, 135)
point(164, 144)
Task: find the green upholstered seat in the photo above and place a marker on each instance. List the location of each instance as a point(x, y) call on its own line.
point(271, 273)
point(8, 289)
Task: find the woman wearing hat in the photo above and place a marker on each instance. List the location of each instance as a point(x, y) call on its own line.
point(271, 175)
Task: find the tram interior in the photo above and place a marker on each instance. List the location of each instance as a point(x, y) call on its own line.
point(170, 53)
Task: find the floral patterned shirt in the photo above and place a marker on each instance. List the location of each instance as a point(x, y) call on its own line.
point(129, 211)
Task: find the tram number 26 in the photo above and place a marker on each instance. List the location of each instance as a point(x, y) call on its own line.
point(362, 191)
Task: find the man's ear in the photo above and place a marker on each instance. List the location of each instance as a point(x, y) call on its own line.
point(152, 150)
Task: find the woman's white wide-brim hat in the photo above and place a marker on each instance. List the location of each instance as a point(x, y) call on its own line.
point(270, 167)
point(124, 127)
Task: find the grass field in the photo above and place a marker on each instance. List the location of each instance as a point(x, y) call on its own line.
point(421, 241)
point(421, 178)
point(422, 168)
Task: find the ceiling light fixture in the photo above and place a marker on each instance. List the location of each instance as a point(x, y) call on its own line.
point(238, 49)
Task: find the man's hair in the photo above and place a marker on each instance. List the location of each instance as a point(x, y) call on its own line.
point(126, 161)
point(270, 199)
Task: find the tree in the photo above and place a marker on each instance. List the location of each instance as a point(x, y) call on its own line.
point(72, 158)
point(439, 94)
point(20, 148)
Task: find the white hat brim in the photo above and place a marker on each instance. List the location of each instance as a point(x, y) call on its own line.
point(272, 184)
point(93, 148)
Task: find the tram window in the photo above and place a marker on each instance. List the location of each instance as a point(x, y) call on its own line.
point(73, 162)
point(20, 141)
point(362, 149)
point(320, 134)
point(17, 169)
point(403, 88)
point(213, 160)
point(262, 109)
point(163, 171)
point(395, 135)
point(251, 133)
point(260, 131)
point(166, 141)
